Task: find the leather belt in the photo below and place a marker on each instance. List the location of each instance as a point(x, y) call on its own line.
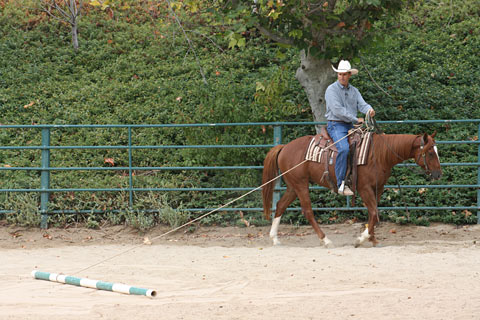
point(340, 121)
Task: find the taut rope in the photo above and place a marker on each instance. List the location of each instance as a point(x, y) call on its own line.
point(209, 213)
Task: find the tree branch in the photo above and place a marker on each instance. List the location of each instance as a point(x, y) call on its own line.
point(270, 34)
point(210, 39)
point(314, 10)
point(69, 17)
point(341, 31)
point(189, 42)
point(47, 8)
point(66, 5)
point(63, 13)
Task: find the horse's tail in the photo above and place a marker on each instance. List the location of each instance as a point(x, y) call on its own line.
point(270, 171)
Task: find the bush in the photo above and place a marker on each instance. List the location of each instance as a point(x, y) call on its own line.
point(136, 68)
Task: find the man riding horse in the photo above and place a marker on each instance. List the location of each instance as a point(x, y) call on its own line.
point(343, 102)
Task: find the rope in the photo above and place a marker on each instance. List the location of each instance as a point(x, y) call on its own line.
point(371, 124)
point(213, 211)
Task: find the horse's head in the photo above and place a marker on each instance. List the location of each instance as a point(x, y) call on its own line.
point(426, 155)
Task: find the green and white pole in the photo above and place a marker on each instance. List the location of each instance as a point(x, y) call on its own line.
point(94, 284)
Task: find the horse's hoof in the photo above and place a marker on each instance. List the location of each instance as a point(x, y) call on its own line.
point(276, 242)
point(327, 243)
point(376, 244)
point(357, 243)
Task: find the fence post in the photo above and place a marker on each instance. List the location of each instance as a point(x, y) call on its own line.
point(277, 139)
point(130, 173)
point(45, 177)
point(478, 179)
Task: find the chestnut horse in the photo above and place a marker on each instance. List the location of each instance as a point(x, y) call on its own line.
point(386, 150)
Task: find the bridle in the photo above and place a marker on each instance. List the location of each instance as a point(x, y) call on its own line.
point(423, 155)
point(371, 125)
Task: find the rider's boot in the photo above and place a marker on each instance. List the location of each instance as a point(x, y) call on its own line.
point(344, 190)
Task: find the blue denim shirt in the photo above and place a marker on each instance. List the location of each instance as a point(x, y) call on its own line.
point(343, 103)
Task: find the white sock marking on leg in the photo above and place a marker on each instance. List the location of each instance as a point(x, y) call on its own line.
point(274, 230)
point(326, 242)
point(364, 236)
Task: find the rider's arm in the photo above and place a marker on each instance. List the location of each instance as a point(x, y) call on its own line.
point(362, 106)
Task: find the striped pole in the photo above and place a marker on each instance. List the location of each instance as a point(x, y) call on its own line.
point(95, 284)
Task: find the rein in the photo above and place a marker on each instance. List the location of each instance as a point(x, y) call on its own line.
point(371, 124)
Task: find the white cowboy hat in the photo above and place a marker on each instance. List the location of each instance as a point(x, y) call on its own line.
point(344, 66)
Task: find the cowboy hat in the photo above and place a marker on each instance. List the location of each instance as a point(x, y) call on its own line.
point(344, 66)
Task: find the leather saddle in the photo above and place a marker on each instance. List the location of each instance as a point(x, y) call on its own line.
point(322, 150)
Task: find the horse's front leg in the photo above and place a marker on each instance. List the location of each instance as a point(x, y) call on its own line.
point(307, 211)
point(370, 201)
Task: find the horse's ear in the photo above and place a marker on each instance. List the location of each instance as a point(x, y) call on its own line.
point(434, 134)
point(425, 138)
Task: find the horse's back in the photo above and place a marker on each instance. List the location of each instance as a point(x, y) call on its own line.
point(295, 150)
point(294, 153)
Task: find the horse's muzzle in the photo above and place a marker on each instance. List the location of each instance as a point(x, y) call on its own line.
point(436, 174)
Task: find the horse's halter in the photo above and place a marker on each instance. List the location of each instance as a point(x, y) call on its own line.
point(423, 155)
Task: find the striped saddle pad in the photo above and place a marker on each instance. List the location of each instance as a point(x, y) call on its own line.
point(321, 145)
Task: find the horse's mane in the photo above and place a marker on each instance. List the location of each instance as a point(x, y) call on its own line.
point(391, 149)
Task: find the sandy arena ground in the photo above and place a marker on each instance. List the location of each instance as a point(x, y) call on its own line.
point(235, 273)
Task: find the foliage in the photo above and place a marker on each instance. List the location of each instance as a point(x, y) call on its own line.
point(25, 210)
point(139, 217)
point(135, 67)
point(148, 210)
point(327, 29)
point(431, 79)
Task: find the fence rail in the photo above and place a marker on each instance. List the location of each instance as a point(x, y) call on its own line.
point(46, 148)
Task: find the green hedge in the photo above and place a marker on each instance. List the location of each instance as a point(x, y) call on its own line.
point(140, 70)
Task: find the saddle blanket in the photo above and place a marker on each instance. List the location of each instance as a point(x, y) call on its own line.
point(364, 147)
point(315, 151)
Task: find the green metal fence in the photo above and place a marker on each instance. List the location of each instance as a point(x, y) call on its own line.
point(46, 148)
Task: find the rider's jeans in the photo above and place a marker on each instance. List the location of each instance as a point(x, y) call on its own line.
point(338, 130)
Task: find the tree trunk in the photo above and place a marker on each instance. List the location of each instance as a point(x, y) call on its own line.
point(74, 13)
point(75, 35)
point(315, 75)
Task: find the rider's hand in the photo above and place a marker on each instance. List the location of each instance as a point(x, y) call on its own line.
point(360, 120)
point(372, 113)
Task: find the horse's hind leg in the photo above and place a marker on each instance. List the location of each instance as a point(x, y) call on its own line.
point(306, 204)
point(282, 205)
